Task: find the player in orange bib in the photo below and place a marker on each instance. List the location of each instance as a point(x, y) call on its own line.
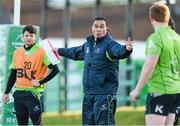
point(30, 72)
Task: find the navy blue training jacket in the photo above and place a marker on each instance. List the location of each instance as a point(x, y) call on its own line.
point(101, 63)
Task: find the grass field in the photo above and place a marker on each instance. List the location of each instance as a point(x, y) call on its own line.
point(124, 116)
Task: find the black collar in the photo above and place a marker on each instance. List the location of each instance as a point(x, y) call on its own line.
point(28, 48)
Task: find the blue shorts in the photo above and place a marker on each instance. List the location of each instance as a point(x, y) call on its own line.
point(99, 109)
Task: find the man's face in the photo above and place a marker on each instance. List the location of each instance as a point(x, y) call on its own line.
point(29, 38)
point(99, 28)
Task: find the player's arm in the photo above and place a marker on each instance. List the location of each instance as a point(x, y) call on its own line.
point(148, 68)
point(10, 84)
point(118, 51)
point(54, 70)
point(11, 81)
point(75, 53)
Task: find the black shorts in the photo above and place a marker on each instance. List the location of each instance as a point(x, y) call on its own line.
point(178, 106)
point(26, 103)
point(162, 104)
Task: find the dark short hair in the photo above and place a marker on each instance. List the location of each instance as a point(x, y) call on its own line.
point(100, 19)
point(30, 28)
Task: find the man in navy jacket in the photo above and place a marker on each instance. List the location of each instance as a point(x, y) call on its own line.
point(101, 56)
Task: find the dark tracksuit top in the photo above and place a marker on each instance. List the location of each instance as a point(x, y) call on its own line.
point(101, 63)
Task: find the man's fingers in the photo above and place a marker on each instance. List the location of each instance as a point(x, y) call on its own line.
point(133, 95)
point(129, 38)
point(129, 42)
point(5, 100)
point(133, 99)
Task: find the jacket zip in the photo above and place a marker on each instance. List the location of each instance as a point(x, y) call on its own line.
point(89, 62)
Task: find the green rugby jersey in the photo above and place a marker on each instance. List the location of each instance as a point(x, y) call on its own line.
point(165, 79)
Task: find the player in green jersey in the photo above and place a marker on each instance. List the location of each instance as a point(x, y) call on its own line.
point(161, 69)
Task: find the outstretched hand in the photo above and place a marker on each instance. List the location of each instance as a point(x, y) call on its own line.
point(129, 44)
